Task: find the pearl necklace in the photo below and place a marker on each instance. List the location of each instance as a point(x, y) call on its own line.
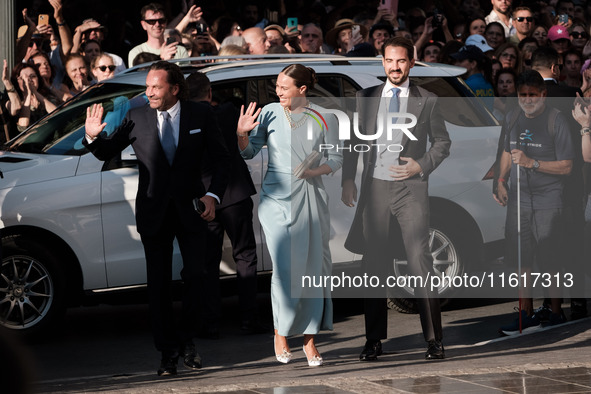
point(292, 124)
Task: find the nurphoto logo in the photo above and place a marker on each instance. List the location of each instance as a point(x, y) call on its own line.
point(385, 126)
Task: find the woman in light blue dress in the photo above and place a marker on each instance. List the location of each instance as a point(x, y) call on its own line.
point(293, 207)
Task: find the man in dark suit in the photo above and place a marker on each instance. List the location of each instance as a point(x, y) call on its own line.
point(169, 137)
point(234, 216)
point(394, 201)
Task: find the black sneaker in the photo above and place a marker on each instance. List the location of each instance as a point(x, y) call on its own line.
point(528, 323)
point(543, 313)
point(578, 308)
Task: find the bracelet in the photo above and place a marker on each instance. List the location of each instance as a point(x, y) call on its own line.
point(502, 180)
point(61, 24)
point(243, 135)
point(12, 90)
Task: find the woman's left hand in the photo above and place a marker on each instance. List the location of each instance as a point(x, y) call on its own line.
point(309, 173)
point(324, 169)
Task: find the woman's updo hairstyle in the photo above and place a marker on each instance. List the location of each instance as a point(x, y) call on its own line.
point(302, 75)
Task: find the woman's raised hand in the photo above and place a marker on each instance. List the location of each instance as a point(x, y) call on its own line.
point(247, 120)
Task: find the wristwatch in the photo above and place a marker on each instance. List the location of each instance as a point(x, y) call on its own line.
point(536, 165)
point(585, 130)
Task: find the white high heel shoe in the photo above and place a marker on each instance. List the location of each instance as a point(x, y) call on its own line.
point(284, 357)
point(315, 361)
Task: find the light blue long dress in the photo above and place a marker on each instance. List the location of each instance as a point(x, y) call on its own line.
point(295, 218)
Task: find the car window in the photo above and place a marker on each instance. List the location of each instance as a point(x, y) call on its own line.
point(325, 92)
point(229, 92)
point(62, 131)
point(453, 95)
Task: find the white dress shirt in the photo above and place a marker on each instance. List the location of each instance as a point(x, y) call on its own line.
point(386, 157)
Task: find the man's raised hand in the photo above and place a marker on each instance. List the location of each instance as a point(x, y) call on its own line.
point(94, 117)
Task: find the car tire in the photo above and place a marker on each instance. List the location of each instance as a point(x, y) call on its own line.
point(409, 305)
point(32, 287)
point(403, 305)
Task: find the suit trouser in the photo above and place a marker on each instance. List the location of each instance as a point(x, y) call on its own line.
point(159, 249)
point(236, 221)
point(389, 201)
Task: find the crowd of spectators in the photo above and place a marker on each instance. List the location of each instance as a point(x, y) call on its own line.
point(71, 56)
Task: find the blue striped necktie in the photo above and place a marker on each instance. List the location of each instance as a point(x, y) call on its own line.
point(394, 101)
point(167, 140)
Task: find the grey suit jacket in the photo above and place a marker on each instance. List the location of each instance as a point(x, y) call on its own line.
point(430, 126)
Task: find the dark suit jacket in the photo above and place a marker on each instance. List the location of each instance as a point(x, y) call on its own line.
point(160, 182)
point(240, 185)
point(430, 126)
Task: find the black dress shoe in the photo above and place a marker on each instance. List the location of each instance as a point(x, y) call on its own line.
point(168, 364)
point(435, 351)
point(191, 358)
point(371, 351)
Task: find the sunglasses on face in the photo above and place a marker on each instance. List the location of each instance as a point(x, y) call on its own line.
point(576, 34)
point(524, 18)
point(104, 68)
point(152, 22)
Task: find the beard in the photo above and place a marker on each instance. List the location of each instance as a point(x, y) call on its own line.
point(532, 109)
point(397, 79)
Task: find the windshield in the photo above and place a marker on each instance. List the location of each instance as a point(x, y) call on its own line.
point(62, 131)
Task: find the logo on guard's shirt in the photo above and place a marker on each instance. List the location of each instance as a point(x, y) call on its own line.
point(526, 136)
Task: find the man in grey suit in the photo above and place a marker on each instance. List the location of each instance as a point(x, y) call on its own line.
point(393, 202)
point(169, 137)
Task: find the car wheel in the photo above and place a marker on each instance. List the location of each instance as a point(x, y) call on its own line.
point(32, 287)
point(449, 258)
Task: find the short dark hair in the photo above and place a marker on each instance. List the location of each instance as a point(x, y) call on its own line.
point(493, 24)
point(198, 85)
point(154, 7)
point(530, 78)
point(505, 70)
point(575, 52)
point(302, 75)
point(400, 42)
point(87, 42)
point(174, 77)
point(527, 40)
point(144, 57)
point(544, 57)
point(521, 9)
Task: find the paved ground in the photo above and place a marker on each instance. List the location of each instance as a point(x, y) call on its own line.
point(553, 360)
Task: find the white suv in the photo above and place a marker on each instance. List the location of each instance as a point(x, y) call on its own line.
point(67, 219)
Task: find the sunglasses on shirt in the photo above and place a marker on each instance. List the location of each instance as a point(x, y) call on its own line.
point(104, 68)
point(524, 18)
point(576, 34)
point(152, 22)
